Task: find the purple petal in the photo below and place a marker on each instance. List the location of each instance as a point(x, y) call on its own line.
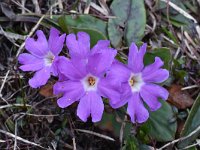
point(84, 106)
point(157, 76)
point(99, 63)
point(30, 62)
point(83, 110)
point(59, 87)
point(40, 78)
point(65, 101)
point(97, 106)
point(56, 41)
point(62, 77)
point(66, 67)
point(68, 86)
point(80, 63)
point(153, 67)
point(37, 47)
point(54, 66)
point(126, 94)
point(101, 45)
point(80, 46)
point(156, 90)
point(135, 57)
point(118, 72)
point(136, 109)
point(90, 103)
point(54, 69)
point(108, 89)
point(73, 91)
point(150, 99)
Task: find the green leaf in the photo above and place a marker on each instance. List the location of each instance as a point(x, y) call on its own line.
point(130, 19)
point(191, 124)
point(96, 28)
point(131, 144)
point(170, 35)
point(161, 125)
point(163, 53)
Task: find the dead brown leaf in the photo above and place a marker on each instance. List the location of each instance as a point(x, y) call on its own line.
point(47, 90)
point(179, 98)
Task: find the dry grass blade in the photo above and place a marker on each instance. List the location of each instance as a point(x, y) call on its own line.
point(2, 141)
point(2, 85)
point(11, 35)
point(21, 139)
point(98, 8)
point(13, 105)
point(96, 134)
point(190, 146)
point(184, 13)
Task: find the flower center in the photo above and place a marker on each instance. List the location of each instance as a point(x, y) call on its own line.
point(135, 81)
point(132, 81)
point(90, 82)
point(48, 59)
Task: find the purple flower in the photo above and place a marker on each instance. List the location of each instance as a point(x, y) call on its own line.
point(138, 84)
point(85, 72)
point(43, 56)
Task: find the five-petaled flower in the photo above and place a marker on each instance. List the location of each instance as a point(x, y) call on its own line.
point(138, 84)
point(86, 76)
point(43, 55)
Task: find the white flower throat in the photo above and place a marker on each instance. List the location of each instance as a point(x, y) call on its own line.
point(49, 58)
point(90, 82)
point(135, 81)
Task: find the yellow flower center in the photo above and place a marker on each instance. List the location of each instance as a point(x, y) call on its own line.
point(132, 81)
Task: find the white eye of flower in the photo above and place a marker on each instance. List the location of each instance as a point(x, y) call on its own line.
point(135, 81)
point(90, 82)
point(48, 59)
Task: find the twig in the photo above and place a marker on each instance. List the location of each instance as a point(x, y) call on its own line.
point(74, 143)
point(21, 139)
point(191, 52)
point(2, 141)
point(35, 115)
point(180, 139)
point(177, 52)
point(190, 87)
point(13, 105)
point(96, 134)
point(15, 144)
point(87, 8)
point(22, 6)
point(11, 35)
point(98, 8)
point(37, 7)
point(104, 6)
point(60, 5)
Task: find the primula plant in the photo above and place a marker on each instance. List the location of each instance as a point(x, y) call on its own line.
point(90, 75)
point(99, 74)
